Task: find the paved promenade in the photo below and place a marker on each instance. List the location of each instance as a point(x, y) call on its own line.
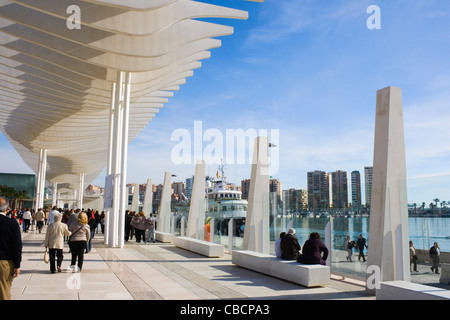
point(157, 271)
point(160, 271)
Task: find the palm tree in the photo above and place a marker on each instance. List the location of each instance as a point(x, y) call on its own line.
point(436, 201)
point(21, 196)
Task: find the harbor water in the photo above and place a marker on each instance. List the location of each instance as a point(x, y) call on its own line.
point(423, 231)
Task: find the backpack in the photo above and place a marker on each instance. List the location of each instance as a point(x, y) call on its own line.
point(433, 250)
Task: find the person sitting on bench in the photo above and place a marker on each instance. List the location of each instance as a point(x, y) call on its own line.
point(314, 251)
point(290, 247)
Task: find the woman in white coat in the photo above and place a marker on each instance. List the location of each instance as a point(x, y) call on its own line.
point(54, 241)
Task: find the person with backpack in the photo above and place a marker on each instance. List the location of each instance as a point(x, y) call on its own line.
point(435, 252)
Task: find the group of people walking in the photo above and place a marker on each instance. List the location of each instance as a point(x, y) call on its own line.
point(434, 254)
point(138, 224)
point(359, 244)
point(79, 229)
point(28, 218)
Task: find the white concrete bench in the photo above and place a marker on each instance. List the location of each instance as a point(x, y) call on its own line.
point(164, 237)
point(308, 275)
point(403, 290)
point(205, 248)
point(445, 273)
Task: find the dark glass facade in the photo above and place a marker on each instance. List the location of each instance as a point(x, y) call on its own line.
point(20, 182)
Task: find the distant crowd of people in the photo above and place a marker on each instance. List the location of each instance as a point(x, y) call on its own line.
point(138, 224)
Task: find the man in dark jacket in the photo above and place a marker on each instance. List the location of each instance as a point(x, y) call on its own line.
point(128, 218)
point(290, 247)
point(361, 243)
point(10, 251)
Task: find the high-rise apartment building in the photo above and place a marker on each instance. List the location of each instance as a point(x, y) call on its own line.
point(318, 190)
point(275, 186)
point(295, 200)
point(356, 189)
point(245, 188)
point(178, 190)
point(368, 177)
point(189, 186)
point(339, 189)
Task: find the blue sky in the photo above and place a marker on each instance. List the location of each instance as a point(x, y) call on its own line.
point(311, 69)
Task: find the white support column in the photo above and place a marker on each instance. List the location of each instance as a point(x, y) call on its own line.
point(111, 130)
point(74, 198)
point(124, 160)
point(388, 232)
point(148, 198)
point(38, 182)
point(135, 199)
point(115, 161)
point(80, 191)
point(164, 211)
point(108, 207)
point(196, 219)
point(256, 234)
point(55, 194)
point(42, 178)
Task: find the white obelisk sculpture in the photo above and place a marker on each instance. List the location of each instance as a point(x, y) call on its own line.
point(196, 220)
point(256, 232)
point(388, 245)
point(164, 212)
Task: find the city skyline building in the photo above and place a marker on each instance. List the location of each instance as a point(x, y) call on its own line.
point(368, 177)
point(318, 189)
point(295, 200)
point(356, 189)
point(245, 188)
point(189, 186)
point(339, 189)
point(275, 186)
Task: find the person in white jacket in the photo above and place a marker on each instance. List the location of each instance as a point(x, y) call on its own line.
point(54, 241)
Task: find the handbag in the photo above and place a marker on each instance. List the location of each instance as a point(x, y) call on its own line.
point(46, 256)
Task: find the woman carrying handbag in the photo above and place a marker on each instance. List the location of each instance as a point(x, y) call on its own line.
point(81, 233)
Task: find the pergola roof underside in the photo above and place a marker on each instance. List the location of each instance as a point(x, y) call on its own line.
point(56, 82)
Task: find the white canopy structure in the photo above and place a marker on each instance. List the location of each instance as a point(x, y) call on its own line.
point(80, 79)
